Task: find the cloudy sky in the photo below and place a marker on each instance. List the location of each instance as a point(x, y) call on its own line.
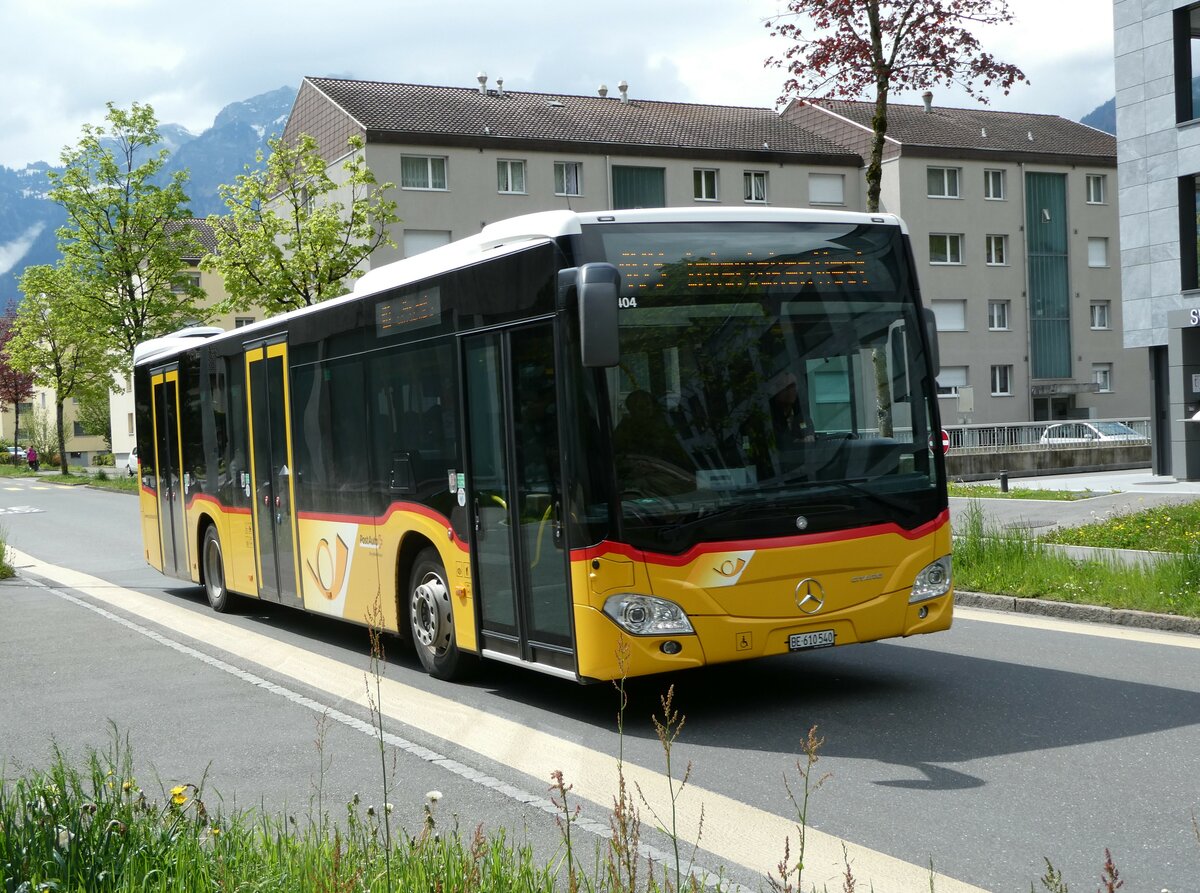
point(61, 60)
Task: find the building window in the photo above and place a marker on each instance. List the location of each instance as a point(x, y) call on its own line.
point(422, 172)
point(998, 316)
point(129, 420)
point(77, 430)
point(510, 176)
point(1100, 314)
point(1097, 252)
point(188, 279)
point(1187, 62)
point(951, 316)
point(993, 185)
point(826, 189)
point(1002, 381)
point(1189, 232)
point(240, 321)
point(943, 182)
point(1102, 375)
point(945, 248)
point(997, 251)
point(704, 184)
point(1097, 189)
point(755, 183)
point(568, 178)
point(419, 240)
point(950, 379)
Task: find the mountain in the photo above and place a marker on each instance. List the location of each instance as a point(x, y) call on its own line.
point(1103, 117)
point(28, 219)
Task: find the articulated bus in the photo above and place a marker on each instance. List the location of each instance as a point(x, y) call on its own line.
point(593, 444)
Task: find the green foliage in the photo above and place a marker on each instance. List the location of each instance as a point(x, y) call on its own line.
point(125, 237)
point(92, 413)
point(1013, 562)
point(1168, 528)
point(990, 491)
point(289, 240)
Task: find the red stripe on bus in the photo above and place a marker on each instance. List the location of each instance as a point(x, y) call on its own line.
point(804, 539)
point(411, 507)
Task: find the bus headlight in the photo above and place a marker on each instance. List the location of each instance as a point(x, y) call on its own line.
point(645, 615)
point(932, 581)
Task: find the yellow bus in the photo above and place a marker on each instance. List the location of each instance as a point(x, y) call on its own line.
point(682, 436)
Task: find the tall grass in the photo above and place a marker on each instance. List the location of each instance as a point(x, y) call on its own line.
point(1011, 561)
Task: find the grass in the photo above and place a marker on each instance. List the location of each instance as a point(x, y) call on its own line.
point(988, 491)
point(1170, 528)
point(1013, 562)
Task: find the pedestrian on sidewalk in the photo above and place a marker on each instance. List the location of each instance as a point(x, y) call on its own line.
point(31, 457)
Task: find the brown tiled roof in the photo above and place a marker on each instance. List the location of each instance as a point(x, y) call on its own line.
point(203, 229)
point(392, 112)
point(982, 130)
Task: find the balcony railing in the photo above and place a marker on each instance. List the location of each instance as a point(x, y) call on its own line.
point(1027, 436)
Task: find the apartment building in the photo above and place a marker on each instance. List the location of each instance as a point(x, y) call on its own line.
point(462, 157)
point(1014, 227)
point(1157, 48)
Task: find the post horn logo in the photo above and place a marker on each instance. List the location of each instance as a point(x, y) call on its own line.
point(731, 567)
point(810, 596)
point(330, 572)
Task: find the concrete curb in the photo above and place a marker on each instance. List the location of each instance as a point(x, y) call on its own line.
point(1085, 613)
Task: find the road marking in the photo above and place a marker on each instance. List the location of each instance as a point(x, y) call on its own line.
point(20, 510)
point(733, 831)
point(1079, 628)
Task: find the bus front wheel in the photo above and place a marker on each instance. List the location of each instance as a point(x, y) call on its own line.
point(214, 571)
point(431, 619)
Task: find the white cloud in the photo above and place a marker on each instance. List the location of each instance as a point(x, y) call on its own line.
point(62, 61)
point(12, 252)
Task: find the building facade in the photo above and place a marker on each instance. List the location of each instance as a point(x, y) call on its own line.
point(1157, 48)
point(1014, 224)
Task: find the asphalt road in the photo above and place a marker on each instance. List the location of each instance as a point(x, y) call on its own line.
point(1006, 740)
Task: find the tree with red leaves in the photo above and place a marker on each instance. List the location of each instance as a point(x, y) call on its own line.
point(841, 48)
point(15, 386)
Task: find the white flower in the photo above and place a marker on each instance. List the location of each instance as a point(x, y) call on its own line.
point(64, 837)
point(433, 796)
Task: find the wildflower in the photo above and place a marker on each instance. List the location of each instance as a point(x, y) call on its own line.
point(63, 838)
point(387, 807)
point(433, 796)
point(178, 797)
point(371, 811)
point(127, 786)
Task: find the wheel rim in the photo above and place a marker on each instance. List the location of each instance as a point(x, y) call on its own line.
point(214, 571)
point(431, 613)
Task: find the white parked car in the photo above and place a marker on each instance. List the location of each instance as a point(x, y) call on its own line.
point(131, 464)
point(1090, 432)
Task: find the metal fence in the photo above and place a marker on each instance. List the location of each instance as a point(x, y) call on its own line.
point(1027, 436)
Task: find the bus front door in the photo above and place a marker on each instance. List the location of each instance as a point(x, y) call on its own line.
point(271, 466)
point(514, 485)
point(168, 465)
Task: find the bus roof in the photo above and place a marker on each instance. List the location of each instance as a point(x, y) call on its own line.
point(506, 237)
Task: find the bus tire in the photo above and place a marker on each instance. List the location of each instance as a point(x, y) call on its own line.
point(431, 619)
point(214, 571)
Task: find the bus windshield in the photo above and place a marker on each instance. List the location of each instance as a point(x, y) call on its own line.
point(772, 381)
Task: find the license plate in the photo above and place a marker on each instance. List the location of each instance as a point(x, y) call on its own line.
point(821, 638)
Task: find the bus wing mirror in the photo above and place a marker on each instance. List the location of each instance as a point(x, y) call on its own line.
point(598, 287)
point(931, 337)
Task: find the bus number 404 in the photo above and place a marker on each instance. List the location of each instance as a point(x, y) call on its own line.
point(626, 302)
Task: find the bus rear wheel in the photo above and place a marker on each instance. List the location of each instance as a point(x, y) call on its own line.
point(214, 571)
point(431, 619)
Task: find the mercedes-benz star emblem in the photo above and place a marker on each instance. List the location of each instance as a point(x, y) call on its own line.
point(810, 596)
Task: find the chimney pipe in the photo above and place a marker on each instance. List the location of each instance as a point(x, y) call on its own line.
point(499, 86)
point(927, 98)
point(482, 78)
point(603, 91)
point(624, 88)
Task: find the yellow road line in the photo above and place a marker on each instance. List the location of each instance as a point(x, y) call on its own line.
point(733, 831)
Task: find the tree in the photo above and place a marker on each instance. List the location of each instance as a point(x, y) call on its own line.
point(53, 342)
point(305, 251)
point(16, 386)
point(840, 49)
point(122, 239)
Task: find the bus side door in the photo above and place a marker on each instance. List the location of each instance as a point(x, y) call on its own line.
point(168, 465)
point(515, 489)
point(269, 411)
